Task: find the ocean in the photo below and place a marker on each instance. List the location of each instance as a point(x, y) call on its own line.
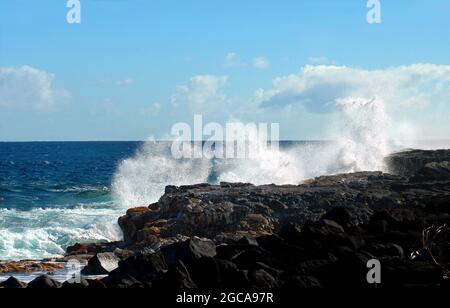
point(55, 194)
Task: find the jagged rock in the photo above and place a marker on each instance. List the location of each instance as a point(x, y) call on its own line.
point(128, 282)
point(390, 249)
point(301, 282)
point(342, 215)
point(211, 210)
point(95, 284)
point(75, 285)
point(143, 267)
point(410, 163)
point(396, 271)
point(177, 277)
point(13, 283)
point(134, 220)
point(262, 279)
point(78, 249)
point(434, 171)
point(291, 233)
point(194, 248)
point(101, 264)
point(247, 241)
point(44, 282)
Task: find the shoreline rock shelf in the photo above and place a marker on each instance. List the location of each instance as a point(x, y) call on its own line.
point(317, 234)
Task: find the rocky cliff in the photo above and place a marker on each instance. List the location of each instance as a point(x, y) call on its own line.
point(318, 234)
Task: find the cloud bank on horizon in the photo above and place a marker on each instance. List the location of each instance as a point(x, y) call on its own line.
point(410, 91)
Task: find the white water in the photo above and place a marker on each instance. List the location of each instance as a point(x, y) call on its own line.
point(141, 179)
point(42, 233)
point(359, 131)
point(361, 134)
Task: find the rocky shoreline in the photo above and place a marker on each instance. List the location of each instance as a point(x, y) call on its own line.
point(317, 234)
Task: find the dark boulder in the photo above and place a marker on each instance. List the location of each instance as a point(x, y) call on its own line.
point(44, 282)
point(177, 277)
point(291, 233)
point(410, 163)
point(434, 171)
point(247, 241)
point(190, 250)
point(344, 216)
point(95, 284)
point(143, 267)
point(262, 279)
point(405, 273)
point(13, 283)
point(75, 285)
point(300, 282)
point(101, 264)
point(389, 249)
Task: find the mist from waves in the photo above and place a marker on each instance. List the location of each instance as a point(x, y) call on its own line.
point(360, 141)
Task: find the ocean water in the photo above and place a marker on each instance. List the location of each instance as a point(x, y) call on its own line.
point(55, 194)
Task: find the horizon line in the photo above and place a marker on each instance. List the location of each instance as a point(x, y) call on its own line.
point(168, 140)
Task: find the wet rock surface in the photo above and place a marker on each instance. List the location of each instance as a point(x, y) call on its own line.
point(28, 266)
point(101, 264)
point(318, 234)
point(410, 163)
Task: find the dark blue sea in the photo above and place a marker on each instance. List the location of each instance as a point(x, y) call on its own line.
point(54, 194)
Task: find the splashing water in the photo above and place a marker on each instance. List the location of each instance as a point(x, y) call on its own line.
point(268, 166)
point(361, 134)
point(142, 178)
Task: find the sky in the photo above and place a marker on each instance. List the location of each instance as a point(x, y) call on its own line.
point(132, 69)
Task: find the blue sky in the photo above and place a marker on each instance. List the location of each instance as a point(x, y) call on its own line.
point(133, 68)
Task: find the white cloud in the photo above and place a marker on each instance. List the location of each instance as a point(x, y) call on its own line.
point(28, 88)
point(125, 82)
point(317, 88)
point(260, 63)
point(201, 92)
point(152, 110)
point(231, 59)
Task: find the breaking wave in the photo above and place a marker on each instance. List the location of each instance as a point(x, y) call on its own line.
point(360, 142)
point(44, 233)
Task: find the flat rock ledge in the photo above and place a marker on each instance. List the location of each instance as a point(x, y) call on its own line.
point(28, 266)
